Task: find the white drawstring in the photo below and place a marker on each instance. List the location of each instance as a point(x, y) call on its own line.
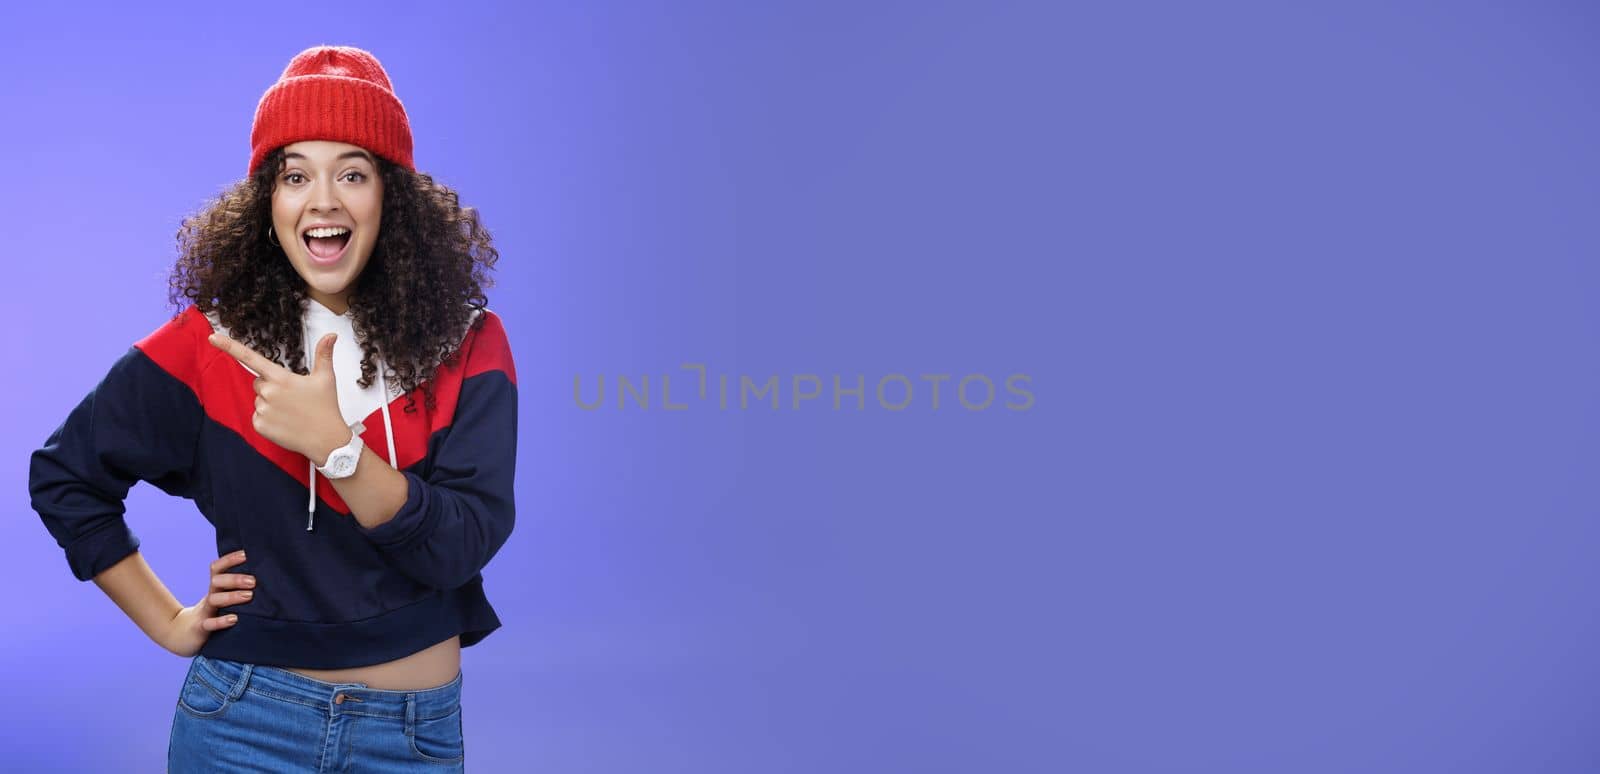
point(388, 428)
point(311, 465)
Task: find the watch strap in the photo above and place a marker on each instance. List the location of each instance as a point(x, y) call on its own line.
point(327, 468)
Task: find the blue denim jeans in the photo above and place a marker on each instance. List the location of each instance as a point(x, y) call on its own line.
point(233, 716)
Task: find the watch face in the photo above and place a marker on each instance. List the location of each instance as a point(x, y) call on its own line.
point(341, 465)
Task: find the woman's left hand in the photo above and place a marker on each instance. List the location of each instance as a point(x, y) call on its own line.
point(299, 413)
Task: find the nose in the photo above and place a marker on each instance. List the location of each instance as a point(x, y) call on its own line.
point(324, 196)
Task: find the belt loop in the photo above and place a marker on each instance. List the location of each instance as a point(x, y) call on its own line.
point(411, 714)
point(240, 684)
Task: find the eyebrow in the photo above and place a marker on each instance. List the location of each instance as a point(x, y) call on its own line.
point(355, 154)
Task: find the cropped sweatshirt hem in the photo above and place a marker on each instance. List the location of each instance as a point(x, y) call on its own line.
point(463, 611)
point(176, 412)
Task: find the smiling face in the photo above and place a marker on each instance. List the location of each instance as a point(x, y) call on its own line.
point(326, 206)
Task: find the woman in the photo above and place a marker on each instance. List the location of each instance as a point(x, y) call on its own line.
point(329, 284)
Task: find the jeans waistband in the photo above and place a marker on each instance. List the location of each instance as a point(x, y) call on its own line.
point(233, 678)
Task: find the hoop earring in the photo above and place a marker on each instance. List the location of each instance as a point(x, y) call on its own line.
point(273, 238)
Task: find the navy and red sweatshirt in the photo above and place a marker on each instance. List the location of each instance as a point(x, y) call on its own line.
point(176, 412)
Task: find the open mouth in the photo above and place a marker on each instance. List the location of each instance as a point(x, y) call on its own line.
point(326, 245)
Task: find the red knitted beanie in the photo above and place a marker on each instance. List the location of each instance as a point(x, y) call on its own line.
point(332, 93)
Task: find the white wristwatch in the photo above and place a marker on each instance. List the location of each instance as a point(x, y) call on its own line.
point(342, 462)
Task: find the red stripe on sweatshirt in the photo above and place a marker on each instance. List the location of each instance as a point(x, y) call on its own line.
point(177, 347)
point(227, 392)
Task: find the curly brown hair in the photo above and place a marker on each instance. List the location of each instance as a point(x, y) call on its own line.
point(412, 301)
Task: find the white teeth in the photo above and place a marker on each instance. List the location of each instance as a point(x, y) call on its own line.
point(330, 231)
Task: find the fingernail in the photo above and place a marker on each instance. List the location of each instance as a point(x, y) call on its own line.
point(233, 619)
point(247, 594)
point(241, 554)
point(250, 582)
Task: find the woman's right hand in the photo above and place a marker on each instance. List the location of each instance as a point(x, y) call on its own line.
point(194, 624)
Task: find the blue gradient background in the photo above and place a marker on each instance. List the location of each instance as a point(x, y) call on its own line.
point(1307, 298)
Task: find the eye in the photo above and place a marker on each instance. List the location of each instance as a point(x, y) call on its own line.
point(359, 176)
point(293, 178)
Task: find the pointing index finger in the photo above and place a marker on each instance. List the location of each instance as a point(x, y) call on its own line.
point(247, 357)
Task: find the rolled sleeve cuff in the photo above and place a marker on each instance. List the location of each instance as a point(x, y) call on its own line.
point(412, 523)
point(97, 551)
